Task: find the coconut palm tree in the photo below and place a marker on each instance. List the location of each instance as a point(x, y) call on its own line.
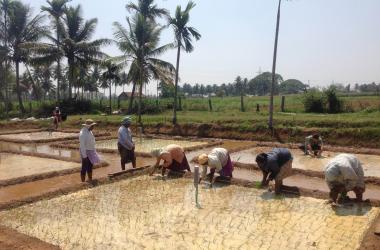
point(23, 31)
point(76, 44)
point(109, 76)
point(139, 43)
point(147, 9)
point(56, 10)
point(183, 37)
point(270, 123)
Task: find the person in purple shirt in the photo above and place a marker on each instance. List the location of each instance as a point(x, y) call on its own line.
point(276, 165)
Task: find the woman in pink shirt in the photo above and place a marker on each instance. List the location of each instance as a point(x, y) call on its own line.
point(174, 159)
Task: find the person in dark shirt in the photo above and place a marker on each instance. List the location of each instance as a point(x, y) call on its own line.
point(276, 165)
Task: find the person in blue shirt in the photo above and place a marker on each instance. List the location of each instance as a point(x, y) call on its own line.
point(276, 165)
point(125, 144)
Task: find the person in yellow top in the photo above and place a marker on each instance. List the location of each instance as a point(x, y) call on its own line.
point(173, 157)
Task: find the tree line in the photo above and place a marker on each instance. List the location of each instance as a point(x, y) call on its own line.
point(63, 61)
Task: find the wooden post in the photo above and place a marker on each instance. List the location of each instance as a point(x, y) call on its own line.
point(179, 103)
point(257, 107)
point(209, 104)
point(283, 103)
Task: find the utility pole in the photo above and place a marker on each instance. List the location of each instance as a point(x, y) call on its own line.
point(270, 123)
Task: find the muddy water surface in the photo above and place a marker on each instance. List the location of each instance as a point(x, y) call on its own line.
point(30, 136)
point(145, 145)
point(15, 165)
point(151, 213)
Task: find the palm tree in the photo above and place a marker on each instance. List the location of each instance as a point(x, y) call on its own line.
point(270, 123)
point(76, 44)
point(5, 6)
point(147, 9)
point(56, 10)
point(109, 76)
point(183, 36)
point(140, 47)
point(23, 31)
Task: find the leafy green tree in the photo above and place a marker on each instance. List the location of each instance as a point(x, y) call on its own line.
point(139, 43)
point(147, 9)
point(23, 31)
point(261, 84)
point(76, 43)
point(292, 86)
point(56, 9)
point(110, 76)
point(183, 37)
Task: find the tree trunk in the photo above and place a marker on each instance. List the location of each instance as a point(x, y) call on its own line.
point(130, 105)
point(115, 92)
point(58, 66)
point(270, 123)
point(71, 77)
point(176, 86)
point(140, 102)
point(110, 101)
point(18, 90)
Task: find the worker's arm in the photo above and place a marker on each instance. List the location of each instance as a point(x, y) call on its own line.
point(155, 166)
point(203, 174)
point(264, 181)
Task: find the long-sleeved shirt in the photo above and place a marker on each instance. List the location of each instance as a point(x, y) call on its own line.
point(345, 169)
point(125, 137)
point(275, 160)
point(217, 159)
point(86, 141)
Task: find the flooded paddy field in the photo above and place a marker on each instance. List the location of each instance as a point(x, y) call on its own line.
point(145, 212)
point(17, 165)
point(370, 163)
point(38, 136)
point(145, 145)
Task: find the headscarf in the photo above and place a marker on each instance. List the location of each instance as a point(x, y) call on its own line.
point(126, 120)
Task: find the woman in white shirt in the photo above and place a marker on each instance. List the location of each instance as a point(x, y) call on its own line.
point(87, 149)
point(218, 159)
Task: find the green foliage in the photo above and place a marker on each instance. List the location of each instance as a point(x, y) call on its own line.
point(334, 104)
point(69, 107)
point(313, 102)
point(292, 86)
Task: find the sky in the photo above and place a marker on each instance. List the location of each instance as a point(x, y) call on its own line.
point(320, 41)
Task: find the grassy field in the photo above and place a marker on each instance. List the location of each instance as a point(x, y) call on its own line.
point(359, 127)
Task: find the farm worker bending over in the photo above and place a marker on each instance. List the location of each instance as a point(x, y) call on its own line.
point(314, 145)
point(276, 165)
point(174, 159)
point(125, 144)
point(218, 159)
point(344, 173)
point(87, 149)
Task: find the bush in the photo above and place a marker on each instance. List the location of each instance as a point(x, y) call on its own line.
point(334, 104)
point(313, 102)
point(69, 107)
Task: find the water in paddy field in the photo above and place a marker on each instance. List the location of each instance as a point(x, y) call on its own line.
point(146, 144)
point(37, 135)
point(36, 148)
point(150, 213)
point(15, 165)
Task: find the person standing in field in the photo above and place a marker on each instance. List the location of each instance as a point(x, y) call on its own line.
point(314, 145)
point(174, 159)
point(218, 160)
point(125, 144)
point(275, 165)
point(87, 150)
point(56, 117)
point(344, 173)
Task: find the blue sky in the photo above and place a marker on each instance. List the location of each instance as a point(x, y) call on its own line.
point(321, 41)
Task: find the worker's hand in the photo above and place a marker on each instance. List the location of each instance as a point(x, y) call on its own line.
point(200, 179)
